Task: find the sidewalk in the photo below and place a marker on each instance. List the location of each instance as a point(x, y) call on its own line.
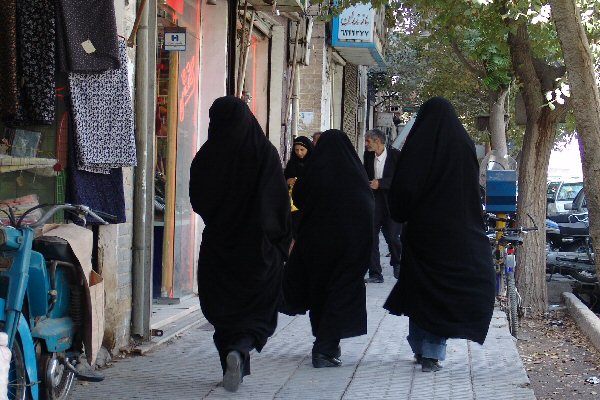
point(378, 365)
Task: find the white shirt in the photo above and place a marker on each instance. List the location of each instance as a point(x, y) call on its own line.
point(380, 163)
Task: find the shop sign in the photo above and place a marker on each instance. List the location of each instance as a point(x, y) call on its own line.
point(174, 39)
point(357, 23)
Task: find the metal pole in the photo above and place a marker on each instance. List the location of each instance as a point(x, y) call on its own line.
point(241, 56)
point(291, 81)
point(246, 50)
point(295, 103)
point(143, 207)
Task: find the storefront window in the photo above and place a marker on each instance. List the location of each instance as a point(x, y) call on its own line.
point(176, 140)
point(30, 166)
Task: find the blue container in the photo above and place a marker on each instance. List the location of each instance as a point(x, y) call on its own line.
point(501, 191)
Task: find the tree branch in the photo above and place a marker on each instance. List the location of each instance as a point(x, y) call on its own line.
point(471, 67)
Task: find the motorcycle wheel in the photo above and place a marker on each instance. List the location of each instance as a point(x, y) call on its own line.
point(512, 312)
point(57, 380)
point(17, 376)
point(584, 276)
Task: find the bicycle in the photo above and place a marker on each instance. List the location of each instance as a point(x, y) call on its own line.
point(498, 177)
point(505, 242)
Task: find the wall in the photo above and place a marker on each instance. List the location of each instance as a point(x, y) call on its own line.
point(311, 84)
point(337, 93)
point(115, 241)
point(213, 73)
point(213, 66)
point(276, 96)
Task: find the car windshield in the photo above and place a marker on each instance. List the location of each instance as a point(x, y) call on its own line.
point(568, 191)
point(552, 188)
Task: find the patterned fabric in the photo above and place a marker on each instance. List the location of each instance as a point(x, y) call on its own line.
point(89, 22)
point(8, 58)
point(100, 192)
point(103, 115)
point(36, 37)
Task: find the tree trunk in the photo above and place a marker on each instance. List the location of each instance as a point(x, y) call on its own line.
point(497, 123)
point(533, 172)
point(586, 104)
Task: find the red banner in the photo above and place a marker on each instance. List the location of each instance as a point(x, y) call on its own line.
point(176, 5)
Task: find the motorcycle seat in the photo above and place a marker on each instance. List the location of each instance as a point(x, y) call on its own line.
point(54, 248)
point(515, 240)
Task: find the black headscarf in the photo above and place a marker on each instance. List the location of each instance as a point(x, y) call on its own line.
point(330, 257)
point(296, 165)
point(446, 283)
point(237, 187)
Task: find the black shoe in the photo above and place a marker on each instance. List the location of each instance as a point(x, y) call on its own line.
point(374, 279)
point(396, 271)
point(418, 358)
point(233, 373)
point(322, 361)
point(430, 365)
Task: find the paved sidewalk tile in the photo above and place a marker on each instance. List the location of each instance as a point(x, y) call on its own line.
point(378, 365)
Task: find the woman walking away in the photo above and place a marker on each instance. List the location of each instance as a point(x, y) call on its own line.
point(446, 284)
point(331, 255)
point(302, 151)
point(237, 187)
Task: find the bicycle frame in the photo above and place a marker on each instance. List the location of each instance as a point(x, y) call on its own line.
point(499, 252)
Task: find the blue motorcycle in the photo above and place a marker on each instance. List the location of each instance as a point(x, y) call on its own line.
point(41, 307)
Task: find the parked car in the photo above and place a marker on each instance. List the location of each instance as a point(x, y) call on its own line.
point(553, 188)
point(579, 205)
point(573, 228)
point(564, 194)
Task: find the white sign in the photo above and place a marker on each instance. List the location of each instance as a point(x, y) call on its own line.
point(306, 119)
point(384, 119)
point(357, 23)
point(175, 39)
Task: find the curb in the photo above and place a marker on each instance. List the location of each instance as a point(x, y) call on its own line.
point(587, 321)
point(178, 327)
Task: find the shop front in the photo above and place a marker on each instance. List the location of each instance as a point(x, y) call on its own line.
point(176, 134)
point(67, 135)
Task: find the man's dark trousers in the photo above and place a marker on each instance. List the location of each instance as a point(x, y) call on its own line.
point(391, 232)
point(383, 221)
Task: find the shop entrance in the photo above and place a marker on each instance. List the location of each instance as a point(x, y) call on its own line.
point(176, 134)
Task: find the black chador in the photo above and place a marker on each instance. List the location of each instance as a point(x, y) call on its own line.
point(446, 283)
point(237, 187)
point(296, 165)
point(330, 258)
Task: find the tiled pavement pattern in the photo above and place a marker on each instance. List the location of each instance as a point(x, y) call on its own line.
point(378, 365)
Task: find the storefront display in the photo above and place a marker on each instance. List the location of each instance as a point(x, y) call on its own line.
point(39, 104)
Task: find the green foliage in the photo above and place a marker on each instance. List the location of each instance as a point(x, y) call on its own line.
point(419, 69)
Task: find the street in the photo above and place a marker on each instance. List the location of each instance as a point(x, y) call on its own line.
point(378, 365)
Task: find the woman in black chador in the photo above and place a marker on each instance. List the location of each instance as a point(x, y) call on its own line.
point(301, 153)
point(325, 273)
point(237, 187)
point(446, 284)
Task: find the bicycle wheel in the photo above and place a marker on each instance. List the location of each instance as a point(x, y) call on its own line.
point(513, 306)
point(17, 376)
